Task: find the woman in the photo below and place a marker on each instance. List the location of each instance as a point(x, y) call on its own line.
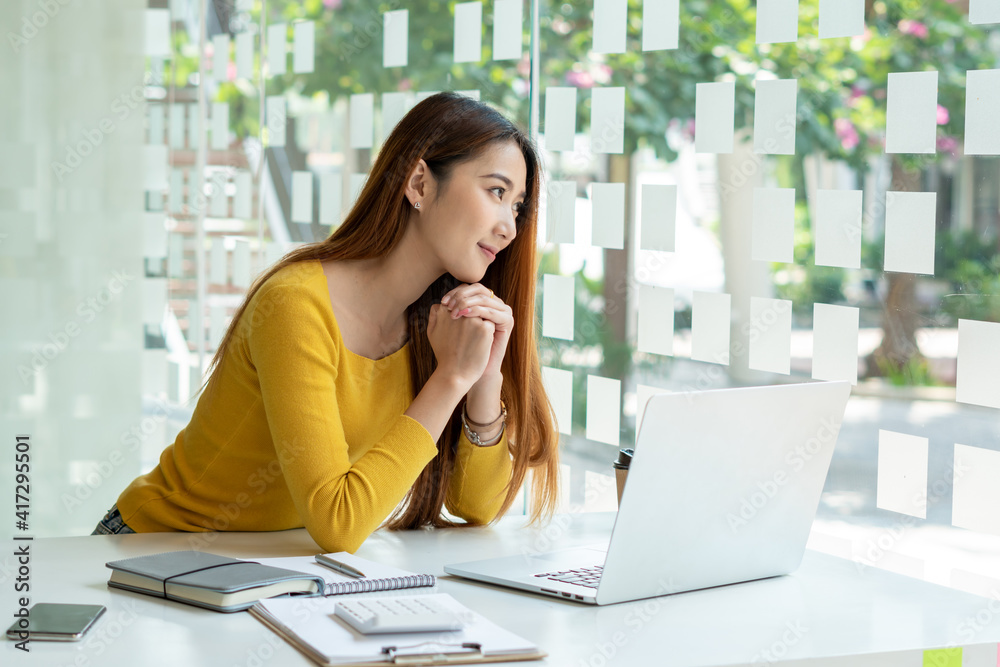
point(379, 373)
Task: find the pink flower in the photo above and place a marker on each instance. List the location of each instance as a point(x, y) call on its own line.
point(915, 28)
point(942, 115)
point(405, 85)
point(579, 79)
point(947, 144)
point(332, 4)
point(847, 133)
point(602, 74)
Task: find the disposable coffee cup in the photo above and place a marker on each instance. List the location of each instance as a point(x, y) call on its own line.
point(621, 469)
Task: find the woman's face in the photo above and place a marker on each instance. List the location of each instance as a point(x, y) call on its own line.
point(475, 211)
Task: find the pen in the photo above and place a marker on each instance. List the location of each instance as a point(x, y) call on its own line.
point(337, 566)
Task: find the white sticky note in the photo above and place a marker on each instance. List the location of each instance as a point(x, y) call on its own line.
point(643, 392)
point(277, 49)
point(982, 108)
point(157, 123)
point(604, 399)
point(176, 191)
point(218, 200)
point(656, 320)
point(157, 42)
point(715, 117)
point(275, 120)
point(838, 228)
point(773, 233)
point(710, 320)
point(902, 473)
point(558, 385)
point(609, 215)
point(560, 212)
point(841, 18)
point(304, 47)
point(978, 363)
point(508, 35)
point(154, 162)
point(175, 131)
point(394, 107)
point(557, 306)
point(777, 21)
point(395, 38)
point(154, 300)
point(216, 326)
point(774, 116)
point(661, 22)
point(193, 126)
point(175, 256)
point(609, 26)
point(911, 113)
point(154, 237)
point(607, 120)
point(984, 11)
point(976, 492)
point(835, 342)
point(220, 126)
point(658, 217)
point(909, 231)
point(244, 55)
point(468, 44)
point(302, 196)
point(560, 118)
point(362, 120)
point(217, 262)
point(220, 57)
point(243, 195)
point(330, 186)
point(241, 263)
point(770, 335)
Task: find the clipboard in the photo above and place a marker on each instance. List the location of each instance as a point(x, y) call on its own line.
point(323, 630)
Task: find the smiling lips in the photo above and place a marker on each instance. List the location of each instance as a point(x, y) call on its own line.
point(489, 253)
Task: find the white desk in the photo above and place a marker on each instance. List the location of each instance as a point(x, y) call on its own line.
point(826, 608)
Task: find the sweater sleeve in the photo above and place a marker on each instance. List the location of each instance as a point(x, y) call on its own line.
point(479, 481)
point(295, 358)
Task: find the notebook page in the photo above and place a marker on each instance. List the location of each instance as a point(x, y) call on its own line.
point(309, 565)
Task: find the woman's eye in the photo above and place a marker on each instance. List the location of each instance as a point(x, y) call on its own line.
point(502, 190)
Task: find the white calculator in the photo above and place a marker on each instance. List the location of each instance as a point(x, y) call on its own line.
point(400, 614)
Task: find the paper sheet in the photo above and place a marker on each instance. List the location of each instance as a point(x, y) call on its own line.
point(770, 335)
point(715, 117)
point(330, 185)
point(560, 212)
point(835, 342)
point(909, 231)
point(243, 196)
point(557, 306)
point(275, 120)
point(984, 11)
point(157, 123)
point(608, 229)
point(604, 409)
point(982, 108)
point(656, 320)
point(394, 107)
point(193, 126)
point(468, 45)
point(154, 238)
point(911, 113)
point(241, 263)
point(220, 126)
point(976, 494)
point(609, 26)
point(558, 385)
point(302, 196)
point(710, 323)
point(773, 238)
point(362, 120)
point(658, 217)
point(176, 191)
point(218, 199)
point(841, 18)
point(508, 40)
point(157, 25)
point(774, 116)
point(902, 473)
point(304, 47)
point(395, 38)
point(277, 49)
point(560, 118)
point(175, 133)
point(244, 55)
point(838, 215)
point(220, 57)
point(660, 24)
point(607, 120)
point(978, 363)
point(777, 21)
point(217, 261)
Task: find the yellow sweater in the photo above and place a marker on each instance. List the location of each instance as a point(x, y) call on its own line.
point(300, 431)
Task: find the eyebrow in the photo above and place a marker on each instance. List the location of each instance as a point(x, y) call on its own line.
point(510, 184)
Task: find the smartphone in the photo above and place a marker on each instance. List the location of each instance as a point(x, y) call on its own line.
point(56, 622)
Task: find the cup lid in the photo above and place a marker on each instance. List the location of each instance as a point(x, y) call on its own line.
point(624, 457)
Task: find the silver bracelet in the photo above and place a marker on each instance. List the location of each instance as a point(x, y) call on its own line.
point(474, 437)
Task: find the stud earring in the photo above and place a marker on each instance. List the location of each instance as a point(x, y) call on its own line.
point(416, 205)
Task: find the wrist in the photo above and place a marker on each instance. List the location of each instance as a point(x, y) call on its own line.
point(483, 399)
point(450, 386)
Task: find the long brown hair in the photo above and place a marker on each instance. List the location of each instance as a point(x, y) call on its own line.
point(445, 130)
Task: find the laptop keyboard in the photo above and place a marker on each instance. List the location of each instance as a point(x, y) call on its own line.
point(584, 576)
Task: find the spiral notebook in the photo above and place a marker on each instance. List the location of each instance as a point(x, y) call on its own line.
point(378, 577)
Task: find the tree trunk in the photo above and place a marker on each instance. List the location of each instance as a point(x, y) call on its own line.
point(898, 348)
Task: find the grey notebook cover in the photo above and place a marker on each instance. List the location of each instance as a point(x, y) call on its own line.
point(212, 572)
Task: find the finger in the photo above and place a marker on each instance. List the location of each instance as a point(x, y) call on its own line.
point(498, 317)
point(455, 296)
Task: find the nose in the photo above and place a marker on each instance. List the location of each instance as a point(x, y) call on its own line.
point(508, 225)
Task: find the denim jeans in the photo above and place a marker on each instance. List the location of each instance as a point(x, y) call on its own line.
point(112, 524)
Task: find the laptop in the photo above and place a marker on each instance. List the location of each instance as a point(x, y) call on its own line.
point(723, 488)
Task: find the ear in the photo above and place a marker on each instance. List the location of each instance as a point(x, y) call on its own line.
point(419, 183)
